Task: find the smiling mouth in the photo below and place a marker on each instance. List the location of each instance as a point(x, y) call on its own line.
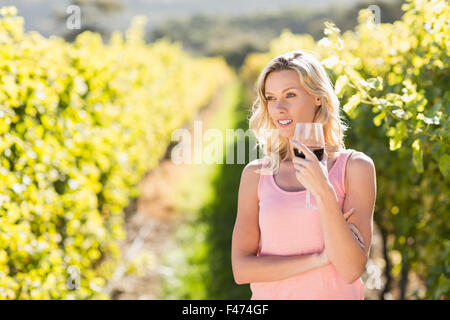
point(284, 123)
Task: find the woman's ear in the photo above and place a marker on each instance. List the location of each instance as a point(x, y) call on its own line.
point(318, 104)
point(318, 101)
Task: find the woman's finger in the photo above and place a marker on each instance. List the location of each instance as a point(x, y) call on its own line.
point(300, 160)
point(308, 153)
point(298, 175)
point(349, 213)
point(357, 233)
point(324, 160)
point(357, 239)
point(298, 167)
point(355, 230)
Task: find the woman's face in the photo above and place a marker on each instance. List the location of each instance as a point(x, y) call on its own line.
point(288, 100)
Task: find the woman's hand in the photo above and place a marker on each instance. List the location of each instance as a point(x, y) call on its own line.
point(355, 231)
point(322, 257)
point(311, 173)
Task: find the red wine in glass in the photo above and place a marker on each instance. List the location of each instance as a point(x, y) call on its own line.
point(311, 135)
point(318, 151)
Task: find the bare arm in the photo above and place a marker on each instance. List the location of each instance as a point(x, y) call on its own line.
point(346, 254)
point(247, 266)
point(275, 268)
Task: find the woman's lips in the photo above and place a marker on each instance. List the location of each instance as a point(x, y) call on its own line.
point(284, 125)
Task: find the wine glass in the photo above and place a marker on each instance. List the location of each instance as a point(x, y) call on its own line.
point(311, 135)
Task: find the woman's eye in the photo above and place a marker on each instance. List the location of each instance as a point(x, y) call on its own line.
point(288, 95)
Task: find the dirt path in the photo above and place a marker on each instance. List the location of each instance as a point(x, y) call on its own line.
point(151, 221)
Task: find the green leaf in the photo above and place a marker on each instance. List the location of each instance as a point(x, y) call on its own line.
point(444, 164)
point(417, 155)
point(352, 103)
point(398, 134)
point(340, 83)
point(379, 118)
point(375, 83)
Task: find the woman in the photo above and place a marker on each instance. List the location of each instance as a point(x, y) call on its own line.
point(284, 250)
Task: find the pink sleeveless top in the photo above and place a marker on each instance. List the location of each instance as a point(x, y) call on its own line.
point(287, 228)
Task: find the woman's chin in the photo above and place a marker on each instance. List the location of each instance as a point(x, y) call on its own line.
point(286, 132)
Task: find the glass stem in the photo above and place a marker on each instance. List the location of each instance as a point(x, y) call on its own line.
point(308, 199)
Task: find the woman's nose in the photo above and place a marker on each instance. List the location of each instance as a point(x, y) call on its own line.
point(279, 106)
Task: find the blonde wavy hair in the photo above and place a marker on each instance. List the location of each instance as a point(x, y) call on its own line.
point(315, 81)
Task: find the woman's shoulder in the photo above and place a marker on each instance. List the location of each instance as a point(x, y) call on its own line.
point(253, 166)
point(359, 159)
point(250, 176)
point(360, 165)
point(360, 174)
